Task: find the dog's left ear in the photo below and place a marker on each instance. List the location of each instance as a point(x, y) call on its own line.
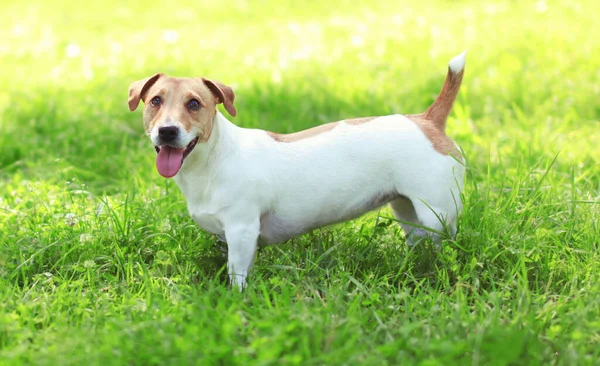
point(223, 93)
point(138, 90)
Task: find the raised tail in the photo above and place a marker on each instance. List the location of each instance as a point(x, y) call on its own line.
point(440, 109)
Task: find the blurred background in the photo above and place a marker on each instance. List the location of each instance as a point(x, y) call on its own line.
point(532, 73)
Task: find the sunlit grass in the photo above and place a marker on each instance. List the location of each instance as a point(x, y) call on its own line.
point(100, 263)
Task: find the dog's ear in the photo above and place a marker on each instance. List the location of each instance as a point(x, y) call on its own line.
point(138, 90)
point(223, 93)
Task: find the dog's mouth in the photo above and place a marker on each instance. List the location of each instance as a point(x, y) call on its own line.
point(169, 159)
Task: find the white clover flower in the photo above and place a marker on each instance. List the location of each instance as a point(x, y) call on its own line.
point(165, 226)
point(85, 238)
point(71, 219)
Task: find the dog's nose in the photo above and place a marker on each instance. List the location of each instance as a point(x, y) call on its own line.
point(168, 133)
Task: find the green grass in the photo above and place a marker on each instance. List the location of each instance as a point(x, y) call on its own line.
point(100, 263)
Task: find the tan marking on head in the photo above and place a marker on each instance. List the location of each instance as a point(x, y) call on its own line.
point(175, 94)
point(224, 94)
point(138, 89)
point(439, 140)
point(311, 132)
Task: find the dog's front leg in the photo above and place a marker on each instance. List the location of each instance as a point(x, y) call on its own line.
point(242, 240)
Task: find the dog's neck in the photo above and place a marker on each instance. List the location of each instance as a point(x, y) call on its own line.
point(222, 139)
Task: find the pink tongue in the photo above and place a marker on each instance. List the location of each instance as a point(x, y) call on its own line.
point(168, 161)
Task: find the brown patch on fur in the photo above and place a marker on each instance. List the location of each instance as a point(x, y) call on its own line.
point(440, 109)
point(175, 94)
point(439, 140)
point(433, 121)
point(358, 121)
point(311, 132)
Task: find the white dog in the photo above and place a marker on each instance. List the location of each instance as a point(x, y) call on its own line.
point(249, 186)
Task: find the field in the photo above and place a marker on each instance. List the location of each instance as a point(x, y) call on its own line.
point(100, 263)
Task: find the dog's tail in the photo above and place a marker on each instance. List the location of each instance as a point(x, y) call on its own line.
point(440, 109)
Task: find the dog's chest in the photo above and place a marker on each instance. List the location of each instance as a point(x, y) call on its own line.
point(201, 207)
point(208, 221)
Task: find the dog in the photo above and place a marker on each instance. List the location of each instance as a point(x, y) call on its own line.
point(250, 186)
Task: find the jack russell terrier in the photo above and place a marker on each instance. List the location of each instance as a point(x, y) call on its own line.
point(251, 186)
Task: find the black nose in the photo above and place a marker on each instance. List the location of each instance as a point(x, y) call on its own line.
point(168, 134)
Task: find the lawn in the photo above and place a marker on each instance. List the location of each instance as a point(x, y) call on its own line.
point(100, 263)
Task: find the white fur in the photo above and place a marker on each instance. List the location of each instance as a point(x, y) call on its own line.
point(457, 63)
point(246, 187)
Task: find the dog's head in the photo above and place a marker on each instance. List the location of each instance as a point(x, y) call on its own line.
point(178, 114)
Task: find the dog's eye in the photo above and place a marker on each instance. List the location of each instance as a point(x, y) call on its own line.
point(193, 104)
point(156, 101)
